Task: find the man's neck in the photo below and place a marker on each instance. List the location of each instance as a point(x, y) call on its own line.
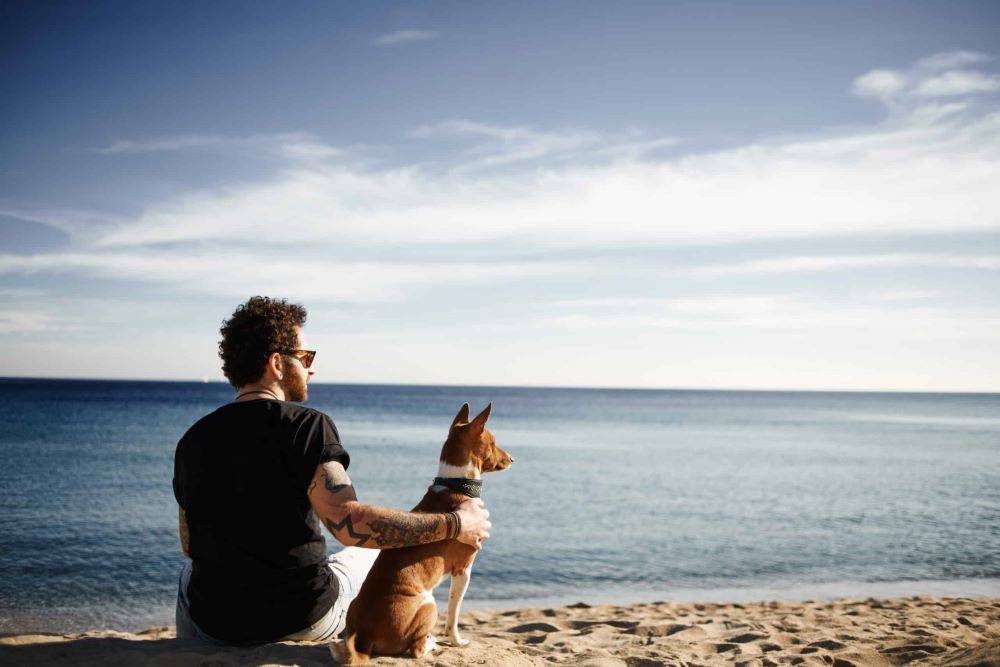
point(253, 392)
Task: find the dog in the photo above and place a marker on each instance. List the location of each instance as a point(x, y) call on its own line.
point(395, 612)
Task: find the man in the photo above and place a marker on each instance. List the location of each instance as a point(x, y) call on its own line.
point(254, 479)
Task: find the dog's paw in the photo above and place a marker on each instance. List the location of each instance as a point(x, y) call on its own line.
point(457, 640)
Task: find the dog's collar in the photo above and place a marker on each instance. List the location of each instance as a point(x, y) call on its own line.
point(467, 487)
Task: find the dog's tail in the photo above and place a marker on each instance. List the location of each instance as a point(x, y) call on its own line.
point(347, 653)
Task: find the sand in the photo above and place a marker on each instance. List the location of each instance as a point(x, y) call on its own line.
point(915, 630)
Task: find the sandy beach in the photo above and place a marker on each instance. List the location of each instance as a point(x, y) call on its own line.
point(914, 630)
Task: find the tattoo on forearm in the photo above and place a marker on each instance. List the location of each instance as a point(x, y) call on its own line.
point(406, 530)
point(390, 530)
point(334, 527)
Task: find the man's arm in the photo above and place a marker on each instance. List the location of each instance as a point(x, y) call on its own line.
point(332, 496)
point(182, 530)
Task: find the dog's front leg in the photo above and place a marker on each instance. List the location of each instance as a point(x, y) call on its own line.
point(459, 584)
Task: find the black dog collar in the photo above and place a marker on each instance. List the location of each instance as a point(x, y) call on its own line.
point(467, 487)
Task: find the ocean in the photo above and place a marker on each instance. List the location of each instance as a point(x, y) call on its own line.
point(623, 495)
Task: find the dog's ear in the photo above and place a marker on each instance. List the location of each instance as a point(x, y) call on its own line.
point(479, 423)
point(463, 415)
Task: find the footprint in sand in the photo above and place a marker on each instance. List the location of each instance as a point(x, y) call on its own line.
point(623, 625)
point(746, 637)
point(540, 626)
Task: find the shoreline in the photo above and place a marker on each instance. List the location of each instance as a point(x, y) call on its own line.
point(948, 588)
point(846, 631)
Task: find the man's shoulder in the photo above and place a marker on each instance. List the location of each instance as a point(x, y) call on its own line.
point(298, 417)
point(298, 412)
point(280, 415)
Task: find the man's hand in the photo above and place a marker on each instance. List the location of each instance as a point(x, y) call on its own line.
point(332, 496)
point(475, 522)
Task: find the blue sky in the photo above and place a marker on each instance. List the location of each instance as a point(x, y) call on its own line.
point(719, 195)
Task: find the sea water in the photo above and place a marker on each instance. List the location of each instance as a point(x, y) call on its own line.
point(616, 495)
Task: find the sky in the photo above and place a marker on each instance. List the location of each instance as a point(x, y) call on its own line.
point(774, 195)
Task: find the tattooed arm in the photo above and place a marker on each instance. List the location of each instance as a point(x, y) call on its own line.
point(332, 496)
point(182, 530)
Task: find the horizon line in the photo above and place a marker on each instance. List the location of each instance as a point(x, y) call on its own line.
point(5, 378)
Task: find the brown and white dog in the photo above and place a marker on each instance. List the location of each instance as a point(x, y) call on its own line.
point(395, 612)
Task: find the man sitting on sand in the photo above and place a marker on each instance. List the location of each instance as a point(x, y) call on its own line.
point(253, 480)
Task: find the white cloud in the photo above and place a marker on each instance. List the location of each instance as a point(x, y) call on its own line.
point(931, 169)
point(23, 321)
point(786, 313)
point(403, 37)
point(71, 221)
point(498, 146)
point(901, 176)
point(292, 145)
point(956, 83)
point(811, 263)
point(952, 59)
point(236, 273)
point(520, 187)
point(21, 292)
point(881, 84)
point(940, 75)
point(906, 295)
point(174, 143)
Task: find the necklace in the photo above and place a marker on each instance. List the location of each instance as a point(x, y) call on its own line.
point(258, 391)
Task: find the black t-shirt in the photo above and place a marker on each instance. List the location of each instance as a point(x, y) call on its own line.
point(259, 558)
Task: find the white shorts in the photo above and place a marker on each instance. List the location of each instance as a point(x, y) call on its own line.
point(350, 566)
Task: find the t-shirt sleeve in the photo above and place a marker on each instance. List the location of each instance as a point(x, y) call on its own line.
point(317, 441)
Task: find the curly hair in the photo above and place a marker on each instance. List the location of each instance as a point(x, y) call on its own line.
point(257, 329)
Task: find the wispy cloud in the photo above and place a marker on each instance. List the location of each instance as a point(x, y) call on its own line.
point(882, 84)
point(775, 312)
point(811, 263)
point(957, 82)
point(28, 320)
point(72, 221)
point(403, 37)
point(940, 75)
point(541, 189)
point(498, 145)
point(952, 59)
point(904, 176)
point(906, 295)
point(236, 273)
point(293, 145)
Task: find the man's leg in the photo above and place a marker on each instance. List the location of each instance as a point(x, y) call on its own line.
point(186, 627)
point(350, 565)
point(182, 616)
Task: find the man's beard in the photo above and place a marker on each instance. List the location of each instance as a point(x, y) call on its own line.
point(293, 385)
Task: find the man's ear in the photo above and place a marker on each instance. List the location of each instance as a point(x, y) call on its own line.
point(274, 364)
point(463, 415)
point(479, 423)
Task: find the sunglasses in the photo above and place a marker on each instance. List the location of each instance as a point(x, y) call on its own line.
point(304, 356)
